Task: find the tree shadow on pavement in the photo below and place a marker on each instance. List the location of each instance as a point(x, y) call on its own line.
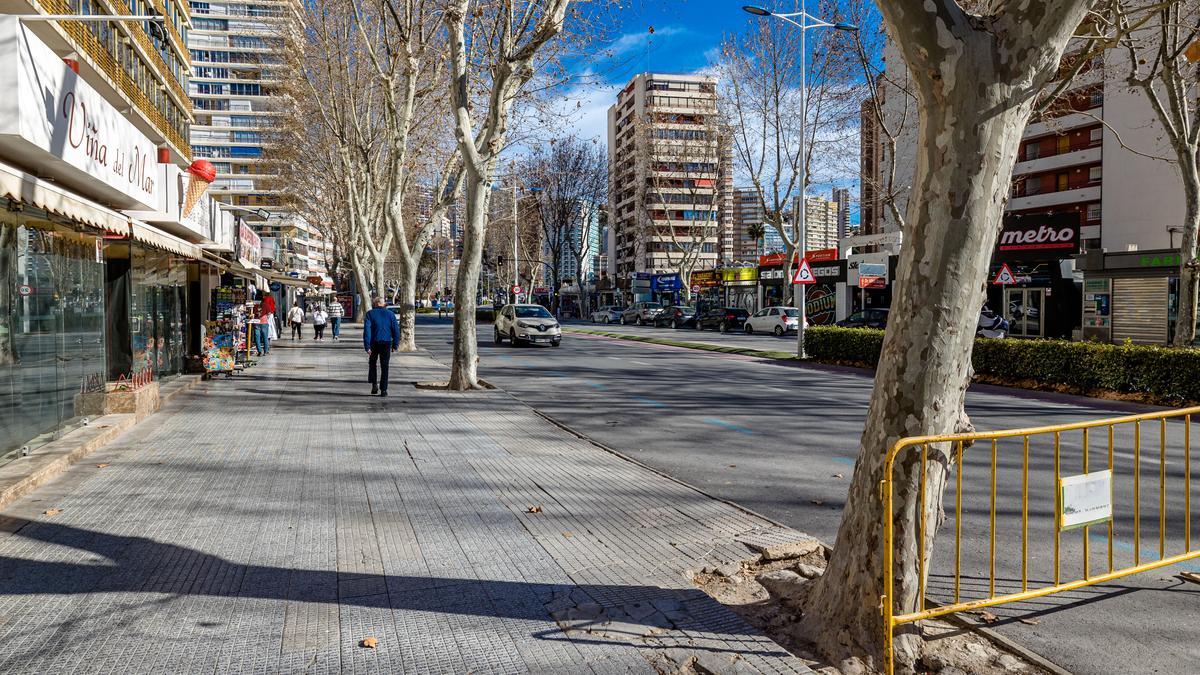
point(606, 613)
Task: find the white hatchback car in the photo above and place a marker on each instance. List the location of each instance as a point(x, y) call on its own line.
point(777, 320)
point(526, 324)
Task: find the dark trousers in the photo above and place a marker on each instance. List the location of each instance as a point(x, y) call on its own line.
point(381, 352)
point(296, 332)
point(319, 330)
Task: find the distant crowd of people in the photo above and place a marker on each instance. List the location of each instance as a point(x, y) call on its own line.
point(319, 315)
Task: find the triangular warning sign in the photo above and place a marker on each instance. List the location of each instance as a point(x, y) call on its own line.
point(803, 274)
point(1004, 277)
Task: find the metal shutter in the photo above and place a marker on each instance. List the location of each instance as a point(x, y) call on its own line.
point(1139, 310)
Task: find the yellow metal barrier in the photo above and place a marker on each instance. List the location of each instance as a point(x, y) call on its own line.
point(957, 443)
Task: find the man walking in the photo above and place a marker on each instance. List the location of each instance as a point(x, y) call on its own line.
point(381, 337)
point(295, 318)
point(336, 312)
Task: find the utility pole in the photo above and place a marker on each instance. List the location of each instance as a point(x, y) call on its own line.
point(516, 268)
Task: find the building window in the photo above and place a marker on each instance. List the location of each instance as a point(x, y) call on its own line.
point(1093, 212)
point(1096, 135)
point(1094, 174)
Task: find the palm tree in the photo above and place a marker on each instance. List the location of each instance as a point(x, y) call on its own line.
point(758, 231)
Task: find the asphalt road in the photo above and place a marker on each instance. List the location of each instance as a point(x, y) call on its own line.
point(781, 440)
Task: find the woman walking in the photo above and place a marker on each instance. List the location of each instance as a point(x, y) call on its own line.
point(295, 318)
point(320, 318)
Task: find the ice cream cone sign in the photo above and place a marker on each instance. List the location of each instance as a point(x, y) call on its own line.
point(202, 173)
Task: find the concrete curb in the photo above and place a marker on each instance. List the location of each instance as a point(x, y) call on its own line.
point(21, 476)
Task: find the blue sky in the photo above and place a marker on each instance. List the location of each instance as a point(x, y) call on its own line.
point(686, 36)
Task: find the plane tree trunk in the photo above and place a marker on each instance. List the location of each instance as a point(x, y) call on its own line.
point(977, 79)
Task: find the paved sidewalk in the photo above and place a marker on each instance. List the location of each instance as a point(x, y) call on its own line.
point(271, 522)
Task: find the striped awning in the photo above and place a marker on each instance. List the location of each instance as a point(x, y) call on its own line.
point(167, 242)
point(29, 189)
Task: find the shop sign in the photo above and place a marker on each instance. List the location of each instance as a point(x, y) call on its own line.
point(771, 274)
point(875, 265)
point(1147, 260)
point(249, 245)
point(821, 255)
point(267, 264)
point(830, 272)
point(65, 129)
point(704, 278)
point(820, 304)
point(739, 275)
point(1039, 237)
point(665, 282)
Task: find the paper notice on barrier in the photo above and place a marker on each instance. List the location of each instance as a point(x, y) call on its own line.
point(1085, 499)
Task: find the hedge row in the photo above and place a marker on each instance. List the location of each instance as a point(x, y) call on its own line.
point(1161, 373)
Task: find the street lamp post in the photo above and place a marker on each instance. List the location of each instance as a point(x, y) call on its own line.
point(806, 22)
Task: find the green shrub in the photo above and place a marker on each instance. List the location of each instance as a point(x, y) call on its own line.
point(1160, 373)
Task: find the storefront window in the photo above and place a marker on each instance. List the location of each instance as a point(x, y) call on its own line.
point(51, 325)
point(156, 312)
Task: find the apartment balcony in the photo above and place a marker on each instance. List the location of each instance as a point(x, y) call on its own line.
point(1064, 123)
point(1066, 159)
point(1050, 199)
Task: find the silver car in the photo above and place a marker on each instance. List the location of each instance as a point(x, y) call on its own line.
point(607, 314)
point(526, 324)
point(641, 313)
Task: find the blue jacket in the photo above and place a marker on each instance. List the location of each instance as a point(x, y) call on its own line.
point(381, 326)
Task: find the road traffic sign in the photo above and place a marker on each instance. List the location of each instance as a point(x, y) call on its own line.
point(1004, 277)
point(695, 289)
point(804, 274)
point(515, 290)
point(25, 290)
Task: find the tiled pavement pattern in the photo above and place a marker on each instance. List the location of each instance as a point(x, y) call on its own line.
point(271, 522)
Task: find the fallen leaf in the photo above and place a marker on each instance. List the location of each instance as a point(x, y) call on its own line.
point(838, 475)
point(101, 466)
point(369, 643)
point(51, 512)
point(533, 509)
point(733, 466)
point(1031, 622)
point(568, 535)
point(988, 617)
point(818, 502)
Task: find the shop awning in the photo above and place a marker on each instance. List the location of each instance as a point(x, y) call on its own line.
point(28, 189)
point(166, 242)
point(285, 279)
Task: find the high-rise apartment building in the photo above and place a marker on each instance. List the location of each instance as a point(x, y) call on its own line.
point(240, 53)
point(820, 223)
point(747, 216)
point(841, 197)
point(670, 176)
point(870, 184)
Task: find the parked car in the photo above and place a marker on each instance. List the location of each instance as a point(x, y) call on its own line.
point(867, 318)
point(777, 320)
point(676, 316)
point(723, 319)
point(607, 314)
point(526, 324)
point(641, 313)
